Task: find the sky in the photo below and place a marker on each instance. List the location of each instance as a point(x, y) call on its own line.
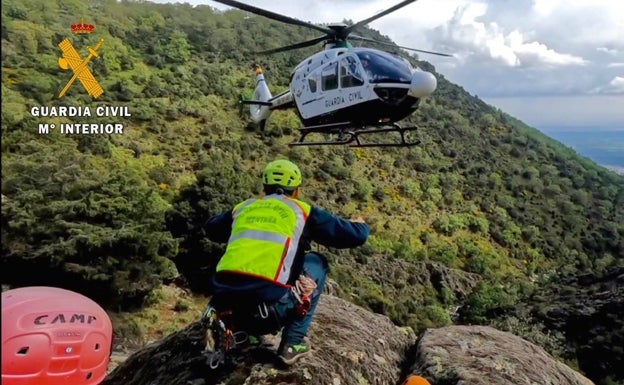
point(555, 64)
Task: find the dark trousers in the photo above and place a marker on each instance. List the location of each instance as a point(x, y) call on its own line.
point(243, 299)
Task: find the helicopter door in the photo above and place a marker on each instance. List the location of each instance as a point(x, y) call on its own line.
point(350, 74)
point(322, 92)
point(329, 77)
point(352, 81)
point(341, 85)
point(331, 97)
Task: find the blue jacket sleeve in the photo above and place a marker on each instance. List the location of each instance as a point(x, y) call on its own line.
point(219, 227)
point(332, 231)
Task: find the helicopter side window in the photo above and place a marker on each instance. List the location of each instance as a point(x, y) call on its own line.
point(350, 75)
point(329, 77)
point(312, 84)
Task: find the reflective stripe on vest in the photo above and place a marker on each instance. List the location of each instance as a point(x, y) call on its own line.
point(261, 236)
point(265, 237)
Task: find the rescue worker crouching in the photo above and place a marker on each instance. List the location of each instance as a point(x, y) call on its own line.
point(268, 258)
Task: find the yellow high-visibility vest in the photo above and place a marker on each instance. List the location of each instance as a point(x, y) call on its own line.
point(265, 236)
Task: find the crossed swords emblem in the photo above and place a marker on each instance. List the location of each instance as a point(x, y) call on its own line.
point(71, 59)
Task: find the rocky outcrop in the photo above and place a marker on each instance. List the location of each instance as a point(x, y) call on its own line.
point(422, 274)
point(481, 355)
point(176, 359)
point(402, 285)
point(352, 346)
point(589, 309)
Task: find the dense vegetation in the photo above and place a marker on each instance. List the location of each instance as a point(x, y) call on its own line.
point(115, 216)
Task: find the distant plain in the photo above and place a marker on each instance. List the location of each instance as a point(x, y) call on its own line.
point(603, 146)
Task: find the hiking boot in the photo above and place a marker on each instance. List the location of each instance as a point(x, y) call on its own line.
point(253, 342)
point(291, 353)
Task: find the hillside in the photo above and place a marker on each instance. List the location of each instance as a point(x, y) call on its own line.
point(480, 223)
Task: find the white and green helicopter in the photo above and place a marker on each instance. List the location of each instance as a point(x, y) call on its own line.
point(343, 92)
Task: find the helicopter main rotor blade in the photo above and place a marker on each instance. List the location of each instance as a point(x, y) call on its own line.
point(272, 15)
point(377, 16)
point(303, 44)
point(400, 46)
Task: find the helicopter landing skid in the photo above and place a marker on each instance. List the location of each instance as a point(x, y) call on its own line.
point(346, 134)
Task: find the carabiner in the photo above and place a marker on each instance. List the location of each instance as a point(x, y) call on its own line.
point(215, 359)
point(264, 314)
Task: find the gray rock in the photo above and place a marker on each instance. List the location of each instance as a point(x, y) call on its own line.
point(588, 310)
point(350, 346)
point(481, 355)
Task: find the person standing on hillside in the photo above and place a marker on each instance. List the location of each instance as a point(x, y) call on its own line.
point(268, 258)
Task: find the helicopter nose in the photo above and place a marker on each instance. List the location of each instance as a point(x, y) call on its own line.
point(423, 84)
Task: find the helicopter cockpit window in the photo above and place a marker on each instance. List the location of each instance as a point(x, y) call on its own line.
point(312, 84)
point(385, 68)
point(329, 77)
point(350, 74)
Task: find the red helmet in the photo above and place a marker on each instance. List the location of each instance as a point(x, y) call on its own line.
point(52, 336)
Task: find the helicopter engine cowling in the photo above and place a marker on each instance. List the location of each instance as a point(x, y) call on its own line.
point(262, 93)
point(423, 84)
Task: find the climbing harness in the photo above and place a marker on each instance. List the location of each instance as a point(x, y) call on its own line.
point(229, 323)
point(221, 334)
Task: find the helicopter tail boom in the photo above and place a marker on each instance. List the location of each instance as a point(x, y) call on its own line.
point(260, 107)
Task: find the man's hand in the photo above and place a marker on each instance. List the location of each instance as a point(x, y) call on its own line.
point(305, 286)
point(358, 220)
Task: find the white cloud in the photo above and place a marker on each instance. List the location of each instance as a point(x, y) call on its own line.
point(478, 40)
point(608, 50)
point(546, 7)
point(540, 53)
point(618, 82)
point(615, 86)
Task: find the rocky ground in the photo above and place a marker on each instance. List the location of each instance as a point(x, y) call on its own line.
point(481, 355)
point(352, 346)
point(589, 309)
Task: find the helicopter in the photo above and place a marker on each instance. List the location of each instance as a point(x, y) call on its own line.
point(344, 93)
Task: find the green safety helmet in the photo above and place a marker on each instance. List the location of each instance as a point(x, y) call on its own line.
point(283, 173)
